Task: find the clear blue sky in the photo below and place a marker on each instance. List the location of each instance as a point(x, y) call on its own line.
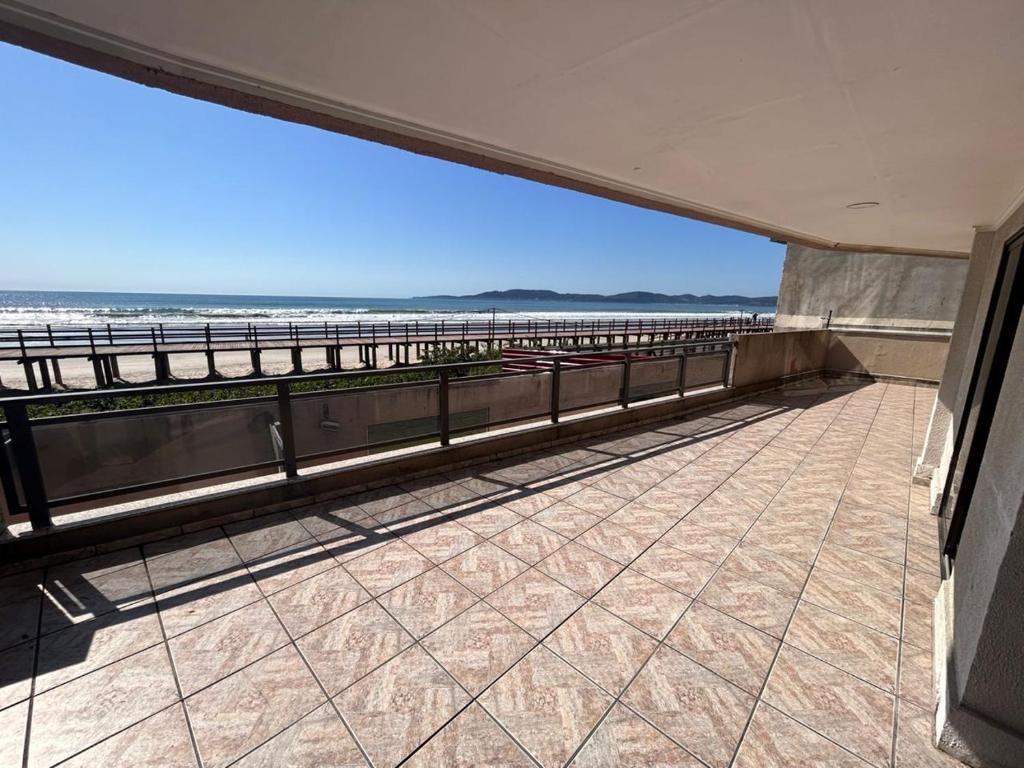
point(108, 185)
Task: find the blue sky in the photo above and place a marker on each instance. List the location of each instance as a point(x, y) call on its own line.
point(109, 185)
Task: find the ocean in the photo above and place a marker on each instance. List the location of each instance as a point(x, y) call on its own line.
point(25, 308)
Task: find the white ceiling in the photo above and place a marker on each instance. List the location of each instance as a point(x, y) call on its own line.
point(773, 114)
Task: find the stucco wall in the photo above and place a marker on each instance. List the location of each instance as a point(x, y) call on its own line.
point(982, 662)
point(869, 290)
point(888, 353)
point(763, 357)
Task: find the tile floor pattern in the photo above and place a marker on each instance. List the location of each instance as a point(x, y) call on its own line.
point(748, 587)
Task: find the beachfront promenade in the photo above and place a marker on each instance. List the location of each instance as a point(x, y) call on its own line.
point(40, 349)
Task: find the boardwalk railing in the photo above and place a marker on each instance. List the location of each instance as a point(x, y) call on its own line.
point(76, 461)
point(95, 337)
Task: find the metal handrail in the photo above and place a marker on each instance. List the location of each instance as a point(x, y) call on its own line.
point(109, 335)
point(37, 504)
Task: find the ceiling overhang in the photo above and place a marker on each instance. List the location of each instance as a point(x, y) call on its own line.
point(771, 121)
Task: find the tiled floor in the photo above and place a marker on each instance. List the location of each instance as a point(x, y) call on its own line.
point(726, 590)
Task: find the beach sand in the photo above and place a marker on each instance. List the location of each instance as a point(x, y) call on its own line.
point(138, 369)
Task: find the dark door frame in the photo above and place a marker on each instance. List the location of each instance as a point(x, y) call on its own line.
point(995, 345)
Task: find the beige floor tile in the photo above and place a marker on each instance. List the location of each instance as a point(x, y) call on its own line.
point(581, 569)
point(529, 541)
point(774, 740)
point(873, 572)
point(614, 542)
point(863, 652)
point(921, 587)
point(427, 602)
point(318, 739)
point(189, 558)
point(451, 497)
point(596, 501)
point(527, 503)
point(160, 741)
point(84, 589)
point(187, 606)
point(855, 601)
point(66, 720)
point(385, 568)
point(487, 520)
point(756, 604)
point(914, 747)
point(736, 651)
point(642, 519)
point(535, 602)
point(916, 677)
point(213, 651)
point(240, 712)
point(701, 542)
point(917, 624)
point(522, 701)
point(13, 722)
point(21, 621)
point(644, 603)
point(379, 500)
point(852, 713)
point(484, 568)
point(16, 664)
point(406, 516)
point(329, 517)
point(261, 536)
point(566, 519)
point(312, 603)
point(400, 706)
point(623, 739)
point(478, 646)
point(291, 565)
point(679, 570)
point(89, 645)
point(440, 541)
point(602, 646)
point(349, 647)
point(471, 740)
point(768, 568)
point(700, 710)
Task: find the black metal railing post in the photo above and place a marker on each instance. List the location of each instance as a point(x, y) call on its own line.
point(284, 416)
point(627, 364)
point(443, 420)
point(556, 379)
point(26, 460)
point(681, 383)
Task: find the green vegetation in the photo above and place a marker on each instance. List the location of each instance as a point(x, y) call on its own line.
point(478, 366)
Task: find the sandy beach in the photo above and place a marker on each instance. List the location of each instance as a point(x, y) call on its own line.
point(138, 369)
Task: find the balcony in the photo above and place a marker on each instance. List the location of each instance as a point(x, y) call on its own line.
point(749, 585)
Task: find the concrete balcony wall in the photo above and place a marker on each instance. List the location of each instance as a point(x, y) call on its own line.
point(888, 353)
point(869, 290)
point(766, 357)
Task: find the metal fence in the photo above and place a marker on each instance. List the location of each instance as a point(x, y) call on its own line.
point(57, 462)
point(211, 334)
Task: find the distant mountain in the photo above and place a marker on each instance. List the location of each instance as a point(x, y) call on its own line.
point(631, 297)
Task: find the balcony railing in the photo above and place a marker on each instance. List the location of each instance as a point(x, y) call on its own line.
point(57, 463)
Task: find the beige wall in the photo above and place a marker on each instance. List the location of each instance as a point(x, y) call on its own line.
point(869, 290)
point(914, 356)
point(980, 640)
point(763, 357)
point(769, 356)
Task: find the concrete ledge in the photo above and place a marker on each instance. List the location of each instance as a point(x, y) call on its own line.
point(162, 520)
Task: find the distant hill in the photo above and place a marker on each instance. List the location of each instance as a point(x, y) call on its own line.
point(631, 297)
